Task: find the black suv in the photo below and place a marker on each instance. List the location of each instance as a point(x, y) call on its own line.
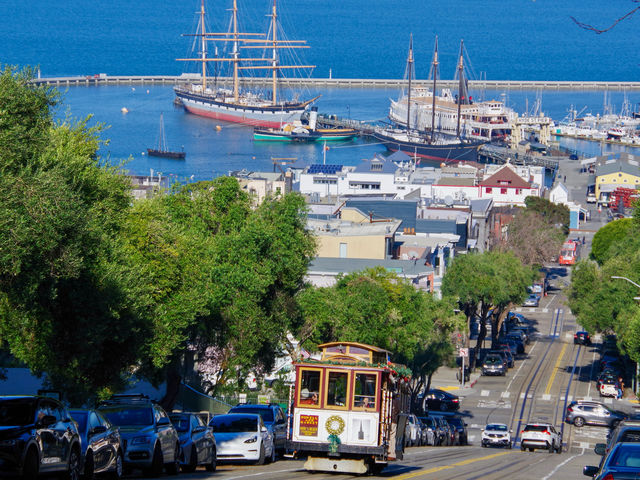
point(273, 418)
point(149, 439)
point(37, 435)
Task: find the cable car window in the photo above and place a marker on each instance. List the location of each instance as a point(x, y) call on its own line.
point(310, 387)
point(337, 391)
point(365, 390)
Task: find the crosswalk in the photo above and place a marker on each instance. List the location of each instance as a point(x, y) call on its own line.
point(492, 398)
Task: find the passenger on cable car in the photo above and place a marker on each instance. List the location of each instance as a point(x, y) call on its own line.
point(308, 398)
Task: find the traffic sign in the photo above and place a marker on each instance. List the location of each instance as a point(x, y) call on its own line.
point(464, 352)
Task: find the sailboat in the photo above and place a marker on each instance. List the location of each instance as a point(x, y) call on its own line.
point(161, 149)
point(435, 145)
point(238, 106)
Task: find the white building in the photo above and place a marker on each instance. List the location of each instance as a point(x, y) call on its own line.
point(559, 194)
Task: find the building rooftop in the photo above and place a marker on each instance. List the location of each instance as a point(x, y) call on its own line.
point(334, 266)
point(505, 177)
point(337, 227)
point(618, 165)
point(404, 210)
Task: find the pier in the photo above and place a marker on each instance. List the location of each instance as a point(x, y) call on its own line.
point(106, 80)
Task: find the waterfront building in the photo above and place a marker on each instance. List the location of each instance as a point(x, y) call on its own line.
point(506, 187)
point(615, 171)
point(260, 184)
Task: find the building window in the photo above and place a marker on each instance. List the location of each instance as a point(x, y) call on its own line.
point(343, 250)
point(488, 190)
point(518, 191)
point(503, 191)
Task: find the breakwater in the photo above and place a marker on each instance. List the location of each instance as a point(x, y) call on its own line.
point(104, 80)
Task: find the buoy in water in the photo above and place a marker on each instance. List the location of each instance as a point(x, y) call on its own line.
point(124, 110)
point(218, 128)
point(147, 91)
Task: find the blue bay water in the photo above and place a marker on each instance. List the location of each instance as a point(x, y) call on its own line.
point(520, 39)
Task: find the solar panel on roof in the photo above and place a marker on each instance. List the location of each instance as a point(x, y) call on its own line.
point(326, 169)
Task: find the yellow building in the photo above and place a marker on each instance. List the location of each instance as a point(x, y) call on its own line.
point(341, 238)
point(614, 174)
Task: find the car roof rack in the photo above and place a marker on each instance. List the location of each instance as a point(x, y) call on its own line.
point(127, 399)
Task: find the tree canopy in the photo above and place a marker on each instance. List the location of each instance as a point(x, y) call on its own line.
point(487, 284)
point(615, 232)
point(95, 286)
point(379, 308)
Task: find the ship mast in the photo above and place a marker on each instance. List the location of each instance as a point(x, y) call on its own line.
point(236, 52)
point(274, 57)
point(433, 103)
point(203, 47)
point(410, 74)
point(462, 91)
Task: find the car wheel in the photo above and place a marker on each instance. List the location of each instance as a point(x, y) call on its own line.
point(531, 449)
point(31, 465)
point(578, 422)
point(156, 463)
point(173, 468)
point(551, 448)
point(73, 472)
point(89, 467)
point(193, 461)
point(211, 467)
point(118, 471)
point(261, 457)
point(484, 445)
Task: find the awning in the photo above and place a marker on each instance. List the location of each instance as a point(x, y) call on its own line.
point(588, 161)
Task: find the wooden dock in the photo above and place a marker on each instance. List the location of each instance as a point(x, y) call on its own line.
point(105, 80)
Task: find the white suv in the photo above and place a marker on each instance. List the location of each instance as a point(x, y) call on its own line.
point(496, 434)
point(540, 435)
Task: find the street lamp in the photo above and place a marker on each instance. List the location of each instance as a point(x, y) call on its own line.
point(628, 280)
point(635, 298)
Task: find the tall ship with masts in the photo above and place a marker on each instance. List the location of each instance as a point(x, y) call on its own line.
point(435, 144)
point(235, 104)
point(484, 120)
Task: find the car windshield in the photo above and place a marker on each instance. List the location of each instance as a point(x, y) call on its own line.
point(181, 422)
point(81, 418)
point(496, 427)
point(265, 413)
point(494, 360)
point(17, 412)
point(626, 456)
point(123, 416)
point(632, 436)
point(233, 424)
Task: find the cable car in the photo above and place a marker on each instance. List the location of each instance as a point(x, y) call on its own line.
point(348, 409)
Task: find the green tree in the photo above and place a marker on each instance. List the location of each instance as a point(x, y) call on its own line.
point(553, 213)
point(218, 275)
point(377, 307)
point(486, 285)
point(68, 307)
point(612, 233)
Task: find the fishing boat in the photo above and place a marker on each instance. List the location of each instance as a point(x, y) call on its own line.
point(236, 105)
point(162, 149)
point(304, 133)
point(435, 145)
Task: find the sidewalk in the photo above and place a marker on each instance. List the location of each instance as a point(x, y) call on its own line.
point(445, 379)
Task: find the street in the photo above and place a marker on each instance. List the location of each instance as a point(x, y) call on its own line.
point(553, 372)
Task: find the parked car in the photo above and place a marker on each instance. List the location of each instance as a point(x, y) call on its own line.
point(496, 435)
point(540, 436)
point(272, 416)
point(197, 443)
point(583, 412)
point(150, 439)
point(517, 339)
point(626, 431)
point(412, 431)
point(609, 387)
point(37, 436)
point(243, 436)
point(622, 461)
point(448, 432)
point(101, 445)
point(440, 400)
point(582, 338)
point(493, 364)
point(429, 431)
point(511, 361)
point(531, 301)
point(526, 334)
point(461, 427)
